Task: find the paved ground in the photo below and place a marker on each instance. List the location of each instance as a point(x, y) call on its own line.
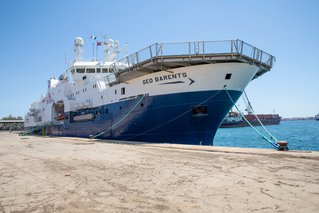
point(41, 174)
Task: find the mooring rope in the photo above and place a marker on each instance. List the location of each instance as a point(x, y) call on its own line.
point(105, 131)
point(259, 119)
point(263, 136)
point(32, 130)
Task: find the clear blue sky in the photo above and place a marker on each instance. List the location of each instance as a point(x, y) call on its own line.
point(36, 35)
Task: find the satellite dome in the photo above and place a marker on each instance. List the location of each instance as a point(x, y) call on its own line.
point(79, 41)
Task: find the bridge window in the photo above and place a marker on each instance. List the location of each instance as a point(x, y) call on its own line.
point(98, 70)
point(90, 70)
point(80, 70)
point(122, 90)
point(104, 70)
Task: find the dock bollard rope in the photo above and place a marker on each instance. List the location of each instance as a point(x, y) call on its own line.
point(279, 145)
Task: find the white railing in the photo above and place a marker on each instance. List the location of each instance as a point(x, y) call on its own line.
point(234, 48)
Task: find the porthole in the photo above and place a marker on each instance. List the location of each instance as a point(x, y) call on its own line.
point(200, 111)
point(122, 90)
point(228, 76)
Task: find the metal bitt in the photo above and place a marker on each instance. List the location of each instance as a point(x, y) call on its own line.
point(282, 146)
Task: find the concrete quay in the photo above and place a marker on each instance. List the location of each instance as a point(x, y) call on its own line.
point(51, 174)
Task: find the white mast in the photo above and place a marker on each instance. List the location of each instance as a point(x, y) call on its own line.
point(78, 48)
point(111, 50)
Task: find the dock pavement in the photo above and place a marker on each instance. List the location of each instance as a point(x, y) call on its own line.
point(54, 174)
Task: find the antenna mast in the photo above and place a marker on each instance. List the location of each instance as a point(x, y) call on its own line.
point(78, 48)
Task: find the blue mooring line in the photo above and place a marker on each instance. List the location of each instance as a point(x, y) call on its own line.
point(263, 136)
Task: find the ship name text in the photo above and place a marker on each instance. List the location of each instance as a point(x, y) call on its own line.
point(165, 78)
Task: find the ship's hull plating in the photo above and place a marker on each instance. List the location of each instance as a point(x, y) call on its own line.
point(162, 119)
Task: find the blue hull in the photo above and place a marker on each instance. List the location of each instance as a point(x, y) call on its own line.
point(183, 118)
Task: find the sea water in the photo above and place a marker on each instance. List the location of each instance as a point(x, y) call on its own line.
point(301, 135)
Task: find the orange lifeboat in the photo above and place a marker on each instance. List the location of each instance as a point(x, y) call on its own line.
point(60, 117)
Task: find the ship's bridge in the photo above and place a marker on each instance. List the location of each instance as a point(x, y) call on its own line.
point(88, 70)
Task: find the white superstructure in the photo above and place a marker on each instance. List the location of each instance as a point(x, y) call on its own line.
point(90, 80)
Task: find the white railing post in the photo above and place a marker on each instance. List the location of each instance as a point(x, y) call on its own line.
point(137, 61)
point(150, 47)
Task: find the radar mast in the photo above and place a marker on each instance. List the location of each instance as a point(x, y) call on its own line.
point(78, 48)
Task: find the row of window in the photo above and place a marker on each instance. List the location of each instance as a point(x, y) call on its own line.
point(90, 70)
point(95, 86)
point(122, 91)
point(77, 92)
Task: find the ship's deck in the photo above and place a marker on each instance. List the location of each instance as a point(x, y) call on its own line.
point(166, 56)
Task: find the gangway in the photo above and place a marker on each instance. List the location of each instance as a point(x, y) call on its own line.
point(166, 56)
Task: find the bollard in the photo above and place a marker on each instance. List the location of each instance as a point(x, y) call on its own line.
point(282, 146)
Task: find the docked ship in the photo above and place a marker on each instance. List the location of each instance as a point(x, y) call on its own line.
point(166, 92)
point(234, 119)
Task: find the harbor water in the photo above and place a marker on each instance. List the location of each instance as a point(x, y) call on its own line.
point(301, 135)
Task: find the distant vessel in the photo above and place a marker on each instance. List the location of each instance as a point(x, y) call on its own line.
point(167, 92)
point(234, 119)
point(317, 117)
